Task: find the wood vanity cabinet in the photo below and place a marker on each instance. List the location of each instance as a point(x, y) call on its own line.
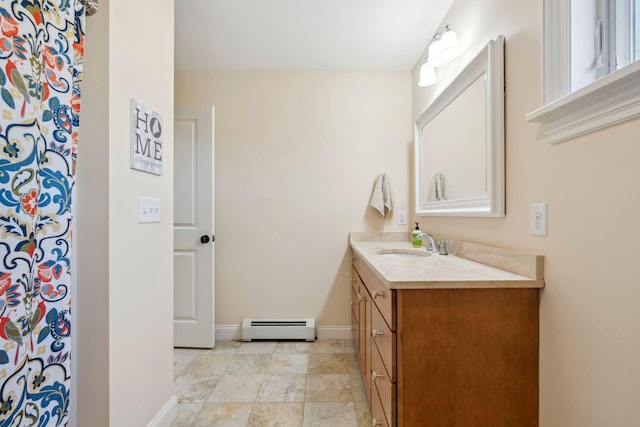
point(446, 357)
point(361, 323)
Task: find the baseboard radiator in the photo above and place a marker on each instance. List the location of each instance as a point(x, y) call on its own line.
point(279, 329)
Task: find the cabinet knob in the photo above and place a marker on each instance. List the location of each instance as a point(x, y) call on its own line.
point(377, 294)
point(375, 423)
point(376, 333)
point(375, 376)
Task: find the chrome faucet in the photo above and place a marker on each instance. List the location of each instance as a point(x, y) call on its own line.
point(431, 244)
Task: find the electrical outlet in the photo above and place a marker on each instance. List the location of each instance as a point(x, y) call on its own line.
point(402, 218)
point(539, 219)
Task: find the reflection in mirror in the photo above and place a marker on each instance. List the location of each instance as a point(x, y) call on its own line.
point(460, 142)
point(454, 161)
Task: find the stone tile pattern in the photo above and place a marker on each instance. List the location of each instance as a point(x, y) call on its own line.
point(268, 383)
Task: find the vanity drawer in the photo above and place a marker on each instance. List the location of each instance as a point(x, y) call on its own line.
point(386, 389)
point(377, 413)
point(385, 342)
point(383, 297)
point(354, 260)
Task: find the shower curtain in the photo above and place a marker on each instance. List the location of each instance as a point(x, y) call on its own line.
point(41, 49)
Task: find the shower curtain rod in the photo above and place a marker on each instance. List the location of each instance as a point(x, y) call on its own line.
point(91, 6)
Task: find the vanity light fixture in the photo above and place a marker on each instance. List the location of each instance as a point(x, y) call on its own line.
point(443, 48)
point(427, 75)
point(449, 46)
point(433, 58)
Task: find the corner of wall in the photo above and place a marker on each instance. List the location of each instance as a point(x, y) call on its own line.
point(90, 382)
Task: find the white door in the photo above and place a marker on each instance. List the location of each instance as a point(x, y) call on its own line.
point(193, 256)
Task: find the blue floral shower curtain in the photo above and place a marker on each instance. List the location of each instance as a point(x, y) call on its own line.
point(41, 50)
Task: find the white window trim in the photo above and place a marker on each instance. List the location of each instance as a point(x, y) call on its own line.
point(612, 99)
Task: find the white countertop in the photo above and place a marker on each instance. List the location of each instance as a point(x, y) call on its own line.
point(434, 271)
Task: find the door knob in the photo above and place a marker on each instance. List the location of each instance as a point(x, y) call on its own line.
point(204, 239)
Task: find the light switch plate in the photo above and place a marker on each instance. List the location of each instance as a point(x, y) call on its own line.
point(148, 210)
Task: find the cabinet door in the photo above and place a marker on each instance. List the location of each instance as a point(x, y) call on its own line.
point(365, 340)
point(355, 329)
point(355, 315)
point(468, 357)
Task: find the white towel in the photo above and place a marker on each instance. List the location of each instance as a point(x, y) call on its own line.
point(381, 198)
point(436, 189)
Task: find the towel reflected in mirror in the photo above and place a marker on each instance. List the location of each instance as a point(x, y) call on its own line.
point(437, 188)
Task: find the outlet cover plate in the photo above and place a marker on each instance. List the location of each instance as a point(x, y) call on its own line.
point(402, 218)
point(539, 219)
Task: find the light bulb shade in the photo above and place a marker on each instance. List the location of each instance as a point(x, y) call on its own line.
point(449, 46)
point(427, 75)
point(433, 58)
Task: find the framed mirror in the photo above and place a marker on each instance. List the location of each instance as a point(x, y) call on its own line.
point(459, 142)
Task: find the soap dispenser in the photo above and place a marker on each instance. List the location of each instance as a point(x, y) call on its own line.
point(415, 237)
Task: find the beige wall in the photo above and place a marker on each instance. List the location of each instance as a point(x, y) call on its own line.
point(296, 156)
point(119, 259)
point(590, 328)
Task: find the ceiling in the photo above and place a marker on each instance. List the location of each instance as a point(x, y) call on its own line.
point(367, 35)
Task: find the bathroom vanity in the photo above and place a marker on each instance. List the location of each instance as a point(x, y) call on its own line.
point(446, 340)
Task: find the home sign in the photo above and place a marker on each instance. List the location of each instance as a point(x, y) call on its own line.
point(146, 139)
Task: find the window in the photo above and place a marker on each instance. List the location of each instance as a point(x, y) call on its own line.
point(604, 38)
point(591, 69)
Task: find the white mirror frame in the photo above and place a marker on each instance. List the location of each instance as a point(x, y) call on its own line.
point(490, 63)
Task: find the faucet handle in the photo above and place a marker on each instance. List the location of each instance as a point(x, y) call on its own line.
point(442, 247)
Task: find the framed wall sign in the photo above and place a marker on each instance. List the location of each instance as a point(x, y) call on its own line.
point(146, 138)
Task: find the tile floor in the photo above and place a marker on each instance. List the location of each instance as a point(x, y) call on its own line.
point(262, 384)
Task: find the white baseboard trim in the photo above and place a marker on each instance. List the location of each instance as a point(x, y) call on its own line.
point(228, 332)
point(334, 333)
point(234, 332)
point(167, 414)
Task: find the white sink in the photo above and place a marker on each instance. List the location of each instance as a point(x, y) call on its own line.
point(404, 253)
